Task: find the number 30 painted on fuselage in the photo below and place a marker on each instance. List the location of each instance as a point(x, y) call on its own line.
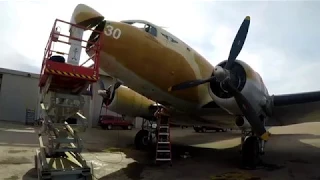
point(113, 32)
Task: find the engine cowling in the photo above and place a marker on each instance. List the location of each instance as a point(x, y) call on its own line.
point(130, 103)
point(246, 80)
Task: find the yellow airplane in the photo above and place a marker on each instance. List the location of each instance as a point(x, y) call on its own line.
point(158, 65)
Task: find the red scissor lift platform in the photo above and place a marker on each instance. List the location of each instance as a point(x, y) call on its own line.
point(67, 76)
point(62, 86)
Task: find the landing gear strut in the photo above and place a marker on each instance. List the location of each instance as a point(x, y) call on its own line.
point(252, 147)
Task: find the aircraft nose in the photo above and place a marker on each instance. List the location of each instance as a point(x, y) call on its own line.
point(86, 16)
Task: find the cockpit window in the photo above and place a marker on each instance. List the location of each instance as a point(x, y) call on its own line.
point(165, 36)
point(174, 41)
point(138, 25)
point(169, 38)
point(153, 31)
point(144, 27)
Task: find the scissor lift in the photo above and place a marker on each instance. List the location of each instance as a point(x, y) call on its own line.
point(62, 88)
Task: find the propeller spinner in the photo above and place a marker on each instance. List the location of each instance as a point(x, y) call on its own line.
point(223, 75)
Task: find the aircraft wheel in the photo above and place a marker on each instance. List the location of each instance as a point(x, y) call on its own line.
point(141, 141)
point(250, 152)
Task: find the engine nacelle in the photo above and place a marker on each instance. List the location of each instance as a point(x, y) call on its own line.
point(242, 123)
point(130, 103)
point(247, 81)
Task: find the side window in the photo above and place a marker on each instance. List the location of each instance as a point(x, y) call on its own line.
point(169, 38)
point(144, 27)
point(165, 36)
point(174, 41)
point(138, 25)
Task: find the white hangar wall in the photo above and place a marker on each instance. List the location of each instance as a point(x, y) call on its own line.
point(18, 92)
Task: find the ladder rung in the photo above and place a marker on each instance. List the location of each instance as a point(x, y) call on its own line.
point(166, 142)
point(163, 159)
point(164, 126)
point(163, 151)
point(163, 133)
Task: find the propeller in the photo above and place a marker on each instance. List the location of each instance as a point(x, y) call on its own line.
point(226, 79)
point(108, 94)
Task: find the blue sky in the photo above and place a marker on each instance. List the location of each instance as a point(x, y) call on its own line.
point(282, 44)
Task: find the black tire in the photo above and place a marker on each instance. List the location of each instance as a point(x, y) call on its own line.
point(129, 127)
point(104, 127)
point(250, 152)
point(141, 140)
point(203, 129)
point(196, 129)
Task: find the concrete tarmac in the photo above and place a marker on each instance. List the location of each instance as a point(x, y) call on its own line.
point(291, 153)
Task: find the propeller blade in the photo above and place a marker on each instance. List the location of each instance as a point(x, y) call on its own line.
point(189, 84)
point(101, 84)
point(117, 85)
point(114, 88)
point(238, 42)
point(249, 112)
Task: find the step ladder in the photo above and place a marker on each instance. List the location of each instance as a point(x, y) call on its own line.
point(63, 86)
point(163, 145)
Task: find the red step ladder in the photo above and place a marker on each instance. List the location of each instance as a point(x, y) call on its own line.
point(163, 147)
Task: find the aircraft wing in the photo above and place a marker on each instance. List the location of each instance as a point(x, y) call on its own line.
point(295, 108)
point(288, 109)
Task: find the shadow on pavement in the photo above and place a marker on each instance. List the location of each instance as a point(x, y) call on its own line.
point(286, 157)
point(207, 161)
